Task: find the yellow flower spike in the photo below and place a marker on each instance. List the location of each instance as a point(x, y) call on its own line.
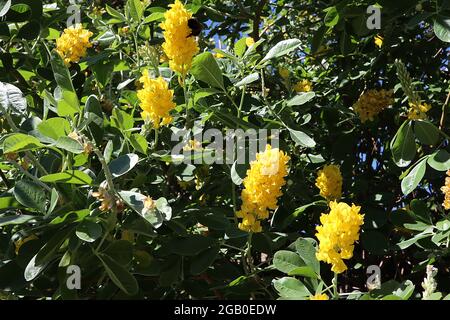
point(378, 41)
point(322, 296)
point(73, 43)
point(418, 111)
point(329, 182)
point(179, 46)
point(262, 188)
point(337, 234)
point(372, 102)
point(156, 100)
point(303, 86)
point(446, 191)
point(249, 41)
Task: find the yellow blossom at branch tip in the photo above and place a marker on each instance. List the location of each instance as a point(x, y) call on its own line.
point(329, 182)
point(337, 234)
point(322, 296)
point(73, 43)
point(303, 86)
point(179, 44)
point(418, 111)
point(262, 188)
point(249, 41)
point(156, 100)
point(378, 41)
point(446, 191)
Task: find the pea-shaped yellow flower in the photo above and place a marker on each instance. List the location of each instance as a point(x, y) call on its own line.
point(338, 233)
point(179, 44)
point(418, 111)
point(322, 296)
point(262, 187)
point(73, 43)
point(156, 100)
point(329, 182)
point(303, 86)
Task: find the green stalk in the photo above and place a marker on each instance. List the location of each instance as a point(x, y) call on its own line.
point(335, 286)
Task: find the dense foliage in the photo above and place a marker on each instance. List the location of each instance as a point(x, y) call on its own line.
point(90, 186)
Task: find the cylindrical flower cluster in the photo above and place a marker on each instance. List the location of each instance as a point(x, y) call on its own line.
point(338, 233)
point(156, 100)
point(372, 102)
point(262, 187)
point(329, 182)
point(179, 44)
point(73, 43)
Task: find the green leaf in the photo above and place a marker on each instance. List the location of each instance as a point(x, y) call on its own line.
point(292, 288)
point(440, 160)
point(426, 132)
point(54, 128)
point(68, 104)
point(192, 245)
point(13, 220)
point(403, 146)
point(375, 242)
point(123, 164)
point(407, 243)
point(304, 271)
point(62, 75)
point(206, 69)
point(302, 139)
point(121, 251)
point(203, 260)
point(306, 250)
point(8, 202)
point(442, 28)
point(48, 251)
point(412, 180)
point(114, 13)
point(139, 143)
point(30, 194)
point(332, 17)
point(32, 269)
point(155, 16)
point(122, 120)
point(29, 31)
point(12, 99)
point(53, 201)
point(20, 142)
point(239, 47)
point(69, 144)
point(301, 98)
point(88, 231)
point(135, 9)
point(248, 79)
point(119, 275)
point(69, 176)
point(286, 261)
point(4, 7)
point(281, 48)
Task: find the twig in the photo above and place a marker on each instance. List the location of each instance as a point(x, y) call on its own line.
point(441, 123)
